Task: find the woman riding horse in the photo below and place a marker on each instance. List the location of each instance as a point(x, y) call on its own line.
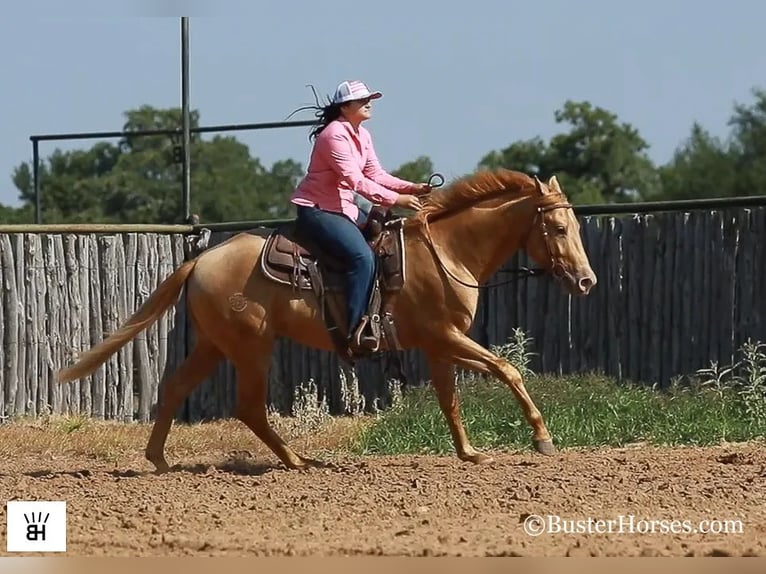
point(343, 163)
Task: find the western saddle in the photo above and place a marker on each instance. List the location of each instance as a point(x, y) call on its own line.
point(292, 259)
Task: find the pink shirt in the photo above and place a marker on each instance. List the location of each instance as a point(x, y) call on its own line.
point(342, 162)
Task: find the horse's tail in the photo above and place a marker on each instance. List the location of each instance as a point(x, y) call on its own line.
point(162, 298)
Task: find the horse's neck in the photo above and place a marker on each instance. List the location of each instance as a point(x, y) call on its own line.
point(480, 239)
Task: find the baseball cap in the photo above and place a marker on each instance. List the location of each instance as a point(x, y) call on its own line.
point(353, 90)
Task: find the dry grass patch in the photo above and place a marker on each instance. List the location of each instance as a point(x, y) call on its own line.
point(51, 438)
point(309, 429)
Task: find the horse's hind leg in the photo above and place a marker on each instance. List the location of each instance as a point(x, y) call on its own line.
point(198, 365)
point(252, 394)
point(443, 382)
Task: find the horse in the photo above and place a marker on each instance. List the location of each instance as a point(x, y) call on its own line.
point(456, 242)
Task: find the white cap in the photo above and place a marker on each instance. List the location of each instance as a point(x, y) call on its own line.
point(353, 90)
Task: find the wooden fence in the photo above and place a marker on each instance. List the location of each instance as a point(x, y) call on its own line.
point(676, 291)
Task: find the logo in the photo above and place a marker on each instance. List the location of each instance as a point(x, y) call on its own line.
point(534, 525)
point(36, 526)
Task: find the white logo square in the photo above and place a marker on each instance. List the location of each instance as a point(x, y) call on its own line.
point(36, 526)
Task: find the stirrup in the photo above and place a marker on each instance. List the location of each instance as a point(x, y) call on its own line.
point(361, 341)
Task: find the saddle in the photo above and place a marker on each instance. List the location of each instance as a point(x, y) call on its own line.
point(289, 258)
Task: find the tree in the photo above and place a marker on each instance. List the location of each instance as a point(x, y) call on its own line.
point(138, 179)
point(748, 146)
point(702, 166)
point(417, 170)
point(24, 214)
point(599, 160)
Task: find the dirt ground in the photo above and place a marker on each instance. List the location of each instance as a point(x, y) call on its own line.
point(225, 499)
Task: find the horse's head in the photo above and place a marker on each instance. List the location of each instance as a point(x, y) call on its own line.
point(554, 240)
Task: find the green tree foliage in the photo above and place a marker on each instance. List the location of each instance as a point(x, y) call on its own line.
point(704, 166)
point(420, 169)
point(748, 145)
point(597, 158)
point(139, 179)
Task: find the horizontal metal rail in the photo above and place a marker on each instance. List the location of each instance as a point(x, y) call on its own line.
point(595, 209)
point(178, 132)
point(175, 132)
point(671, 205)
point(95, 228)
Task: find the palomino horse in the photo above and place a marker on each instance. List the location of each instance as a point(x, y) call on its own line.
point(458, 240)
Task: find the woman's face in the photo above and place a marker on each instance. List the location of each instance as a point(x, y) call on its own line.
point(357, 111)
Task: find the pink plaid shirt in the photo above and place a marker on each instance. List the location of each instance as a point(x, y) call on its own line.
point(342, 162)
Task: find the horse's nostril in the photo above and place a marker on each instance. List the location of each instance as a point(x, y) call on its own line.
point(585, 283)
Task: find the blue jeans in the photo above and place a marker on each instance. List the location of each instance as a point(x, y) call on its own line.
point(340, 237)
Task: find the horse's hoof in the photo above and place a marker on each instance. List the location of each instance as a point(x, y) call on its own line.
point(161, 468)
point(477, 458)
point(545, 447)
point(158, 461)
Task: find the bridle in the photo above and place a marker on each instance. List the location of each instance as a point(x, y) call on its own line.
point(556, 268)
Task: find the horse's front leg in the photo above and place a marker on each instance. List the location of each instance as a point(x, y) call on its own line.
point(461, 350)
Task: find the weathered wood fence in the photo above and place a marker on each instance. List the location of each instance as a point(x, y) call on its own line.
point(676, 291)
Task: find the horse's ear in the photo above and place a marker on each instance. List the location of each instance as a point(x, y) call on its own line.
point(553, 183)
point(541, 189)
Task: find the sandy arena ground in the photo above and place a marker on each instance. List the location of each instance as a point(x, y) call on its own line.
point(227, 496)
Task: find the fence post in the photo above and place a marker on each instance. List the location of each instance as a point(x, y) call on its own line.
point(36, 177)
point(186, 199)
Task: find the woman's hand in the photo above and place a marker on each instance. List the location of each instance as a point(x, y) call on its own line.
point(420, 188)
point(409, 202)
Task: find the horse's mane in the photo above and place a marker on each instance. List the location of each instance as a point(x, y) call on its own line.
point(473, 188)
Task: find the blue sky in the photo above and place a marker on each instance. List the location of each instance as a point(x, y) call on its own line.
point(458, 82)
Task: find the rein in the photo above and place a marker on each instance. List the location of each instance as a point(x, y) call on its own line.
point(521, 271)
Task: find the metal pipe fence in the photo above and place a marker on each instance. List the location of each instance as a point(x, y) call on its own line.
point(182, 150)
point(637, 208)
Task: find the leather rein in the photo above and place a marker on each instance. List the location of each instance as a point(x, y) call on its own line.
point(522, 271)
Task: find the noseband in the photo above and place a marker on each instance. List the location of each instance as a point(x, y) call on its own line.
point(556, 268)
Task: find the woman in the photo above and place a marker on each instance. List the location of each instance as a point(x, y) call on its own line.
point(343, 163)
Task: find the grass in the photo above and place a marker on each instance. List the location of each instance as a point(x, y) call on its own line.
point(45, 440)
point(714, 405)
point(588, 410)
point(309, 428)
point(710, 406)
